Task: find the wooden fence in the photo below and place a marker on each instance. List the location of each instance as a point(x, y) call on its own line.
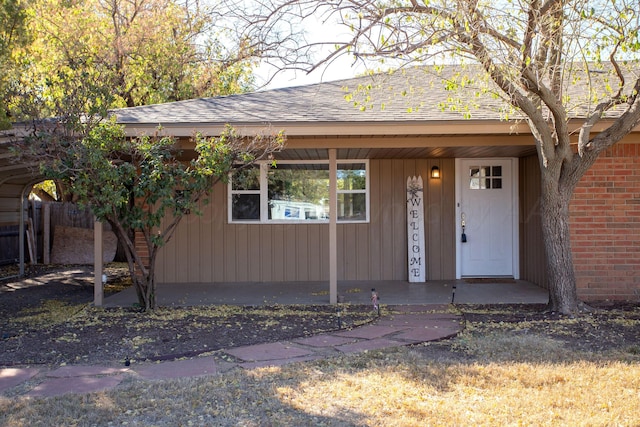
point(9, 244)
point(42, 220)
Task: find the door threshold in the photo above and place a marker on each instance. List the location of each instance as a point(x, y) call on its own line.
point(491, 279)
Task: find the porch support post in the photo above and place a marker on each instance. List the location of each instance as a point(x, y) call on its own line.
point(98, 291)
point(333, 227)
point(21, 228)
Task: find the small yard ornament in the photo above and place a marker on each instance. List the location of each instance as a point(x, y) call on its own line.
point(375, 301)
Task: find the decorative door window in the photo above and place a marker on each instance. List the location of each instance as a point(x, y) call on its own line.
point(485, 177)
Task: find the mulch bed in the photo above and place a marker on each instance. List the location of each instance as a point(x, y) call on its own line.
point(55, 323)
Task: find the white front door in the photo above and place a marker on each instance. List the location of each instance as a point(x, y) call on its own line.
point(487, 220)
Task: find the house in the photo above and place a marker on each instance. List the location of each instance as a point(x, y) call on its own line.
point(376, 131)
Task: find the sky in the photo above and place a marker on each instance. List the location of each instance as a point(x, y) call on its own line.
point(341, 68)
point(337, 71)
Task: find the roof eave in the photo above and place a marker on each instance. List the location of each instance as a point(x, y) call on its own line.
point(331, 129)
point(321, 129)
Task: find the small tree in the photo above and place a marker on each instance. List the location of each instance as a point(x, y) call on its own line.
point(141, 186)
point(534, 54)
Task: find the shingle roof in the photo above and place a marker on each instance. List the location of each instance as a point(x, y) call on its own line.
point(404, 96)
point(412, 95)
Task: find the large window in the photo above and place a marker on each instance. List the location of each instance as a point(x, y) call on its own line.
point(298, 191)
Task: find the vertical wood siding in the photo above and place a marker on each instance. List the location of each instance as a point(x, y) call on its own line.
point(208, 249)
point(533, 265)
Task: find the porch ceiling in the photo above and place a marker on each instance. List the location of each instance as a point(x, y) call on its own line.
point(409, 153)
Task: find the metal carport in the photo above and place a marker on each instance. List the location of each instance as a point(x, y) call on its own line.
point(16, 181)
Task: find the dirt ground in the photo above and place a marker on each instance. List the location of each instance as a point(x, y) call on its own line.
point(55, 323)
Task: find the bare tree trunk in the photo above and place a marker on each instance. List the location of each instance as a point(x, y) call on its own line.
point(145, 281)
point(145, 287)
point(143, 278)
point(151, 279)
point(563, 296)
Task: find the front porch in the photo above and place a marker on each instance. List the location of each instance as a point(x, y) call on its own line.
point(390, 292)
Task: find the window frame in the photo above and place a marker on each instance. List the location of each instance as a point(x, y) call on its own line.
point(263, 190)
point(483, 181)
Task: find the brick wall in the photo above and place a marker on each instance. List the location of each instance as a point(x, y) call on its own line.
point(605, 226)
point(141, 248)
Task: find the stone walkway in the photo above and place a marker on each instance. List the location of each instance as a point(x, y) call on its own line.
point(408, 325)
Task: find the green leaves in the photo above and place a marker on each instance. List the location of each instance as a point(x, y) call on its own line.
point(143, 185)
point(13, 38)
point(90, 56)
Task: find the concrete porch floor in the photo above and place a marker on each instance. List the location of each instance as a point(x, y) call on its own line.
point(354, 292)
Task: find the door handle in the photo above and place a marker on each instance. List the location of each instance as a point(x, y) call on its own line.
point(463, 223)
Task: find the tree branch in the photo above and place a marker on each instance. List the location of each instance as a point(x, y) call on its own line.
point(622, 125)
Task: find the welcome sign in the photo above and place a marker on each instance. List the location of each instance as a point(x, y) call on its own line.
point(415, 229)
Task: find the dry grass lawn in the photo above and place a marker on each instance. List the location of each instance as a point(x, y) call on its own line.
point(501, 379)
